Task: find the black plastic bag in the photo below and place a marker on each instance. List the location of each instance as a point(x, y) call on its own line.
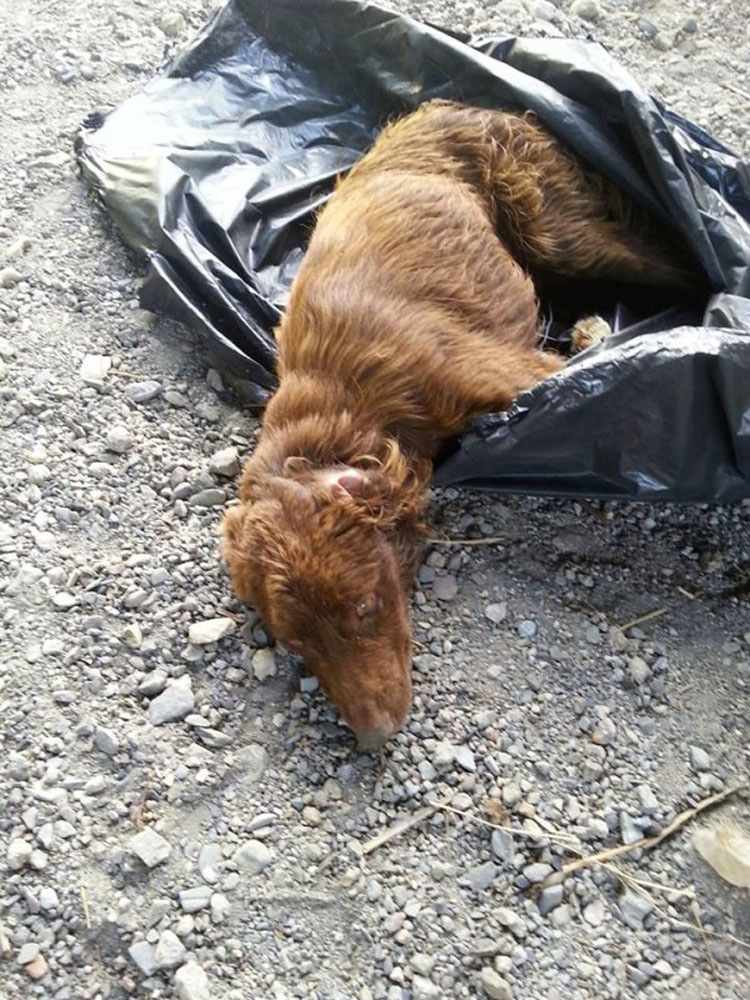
point(215, 169)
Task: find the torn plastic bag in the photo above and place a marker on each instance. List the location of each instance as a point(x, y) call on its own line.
point(214, 171)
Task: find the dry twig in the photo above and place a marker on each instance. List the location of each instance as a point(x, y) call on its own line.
point(561, 838)
point(735, 89)
point(657, 613)
point(493, 540)
point(138, 820)
point(646, 843)
point(405, 824)
point(85, 904)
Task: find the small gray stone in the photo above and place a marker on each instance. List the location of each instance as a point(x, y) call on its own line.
point(106, 741)
point(225, 462)
point(426, 771)
point(28, 953)
point(9, 277)
point(445, 588)
point(422, 963)
point(561, 916)
point(444, 755)
point(527, 628)
point(210, 630)
point(494, 985)
point(593, 635)
point(594, 913)
point(197, 898)
point(174, 703)
point(481, 877)
point(158, 909)
point(143, 392)
point(150, 847)
point(48, 898)
point(649, 802)
point(665, 40)
point(596, 829)
point(496, 612)
point(264, 663)
point(18, 854)
point(64, 830)
point(587, 10)
point(252, 857)
point(220, 908)
point(118, 439)
point(172, 24)
point(424, 989)
point(132, 636)
point(511, 793)
point(212, 497)
point(699, 759)
point(634, 909)
point(465, 758)
point(506, 916)
point(153, 684)
point(252, 760)
point(191, 982)
point(638, 670)
point(39, 473)
point(605, 731)
point(142, 954)
point(537, 872)
point(308, 684)
point(503, 846)
point(550, 898)
point(592, 767)
point(214, 738)
point(169, 951)
point(629, 832)
point(135, 597)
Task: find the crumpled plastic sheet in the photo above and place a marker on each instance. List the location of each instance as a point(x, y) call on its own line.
point(214, 171)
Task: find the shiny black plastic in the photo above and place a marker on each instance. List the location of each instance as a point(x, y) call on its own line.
point(215, 169)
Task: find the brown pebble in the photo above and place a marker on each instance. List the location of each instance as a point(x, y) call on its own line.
point(37, 968)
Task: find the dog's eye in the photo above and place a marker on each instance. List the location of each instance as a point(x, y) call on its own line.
point(363, 609)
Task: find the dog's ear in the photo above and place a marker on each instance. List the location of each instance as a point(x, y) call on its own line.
point(403, 483)
point(390, 491)
point(235, 530)
point(349, 482)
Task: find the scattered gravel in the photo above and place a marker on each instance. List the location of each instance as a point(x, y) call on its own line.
point(183, 813)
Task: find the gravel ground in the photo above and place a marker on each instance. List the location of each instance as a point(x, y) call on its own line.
point(183, 814)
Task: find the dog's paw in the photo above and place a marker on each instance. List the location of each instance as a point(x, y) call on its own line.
point(588, 331)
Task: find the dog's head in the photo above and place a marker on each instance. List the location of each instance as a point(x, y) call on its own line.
point(327, 557)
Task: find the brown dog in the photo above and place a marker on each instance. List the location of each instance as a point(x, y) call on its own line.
point(413, 311)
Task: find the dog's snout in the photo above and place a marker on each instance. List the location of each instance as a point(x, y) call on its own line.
point(375, 736)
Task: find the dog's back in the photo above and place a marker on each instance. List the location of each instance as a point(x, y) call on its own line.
point(417, 286)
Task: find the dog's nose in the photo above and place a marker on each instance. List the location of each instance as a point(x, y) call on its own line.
point(373, 737)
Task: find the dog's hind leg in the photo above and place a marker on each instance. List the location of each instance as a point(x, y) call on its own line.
point(561, 219)
point(501, 374)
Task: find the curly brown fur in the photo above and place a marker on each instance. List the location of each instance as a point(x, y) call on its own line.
point(414, 310)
